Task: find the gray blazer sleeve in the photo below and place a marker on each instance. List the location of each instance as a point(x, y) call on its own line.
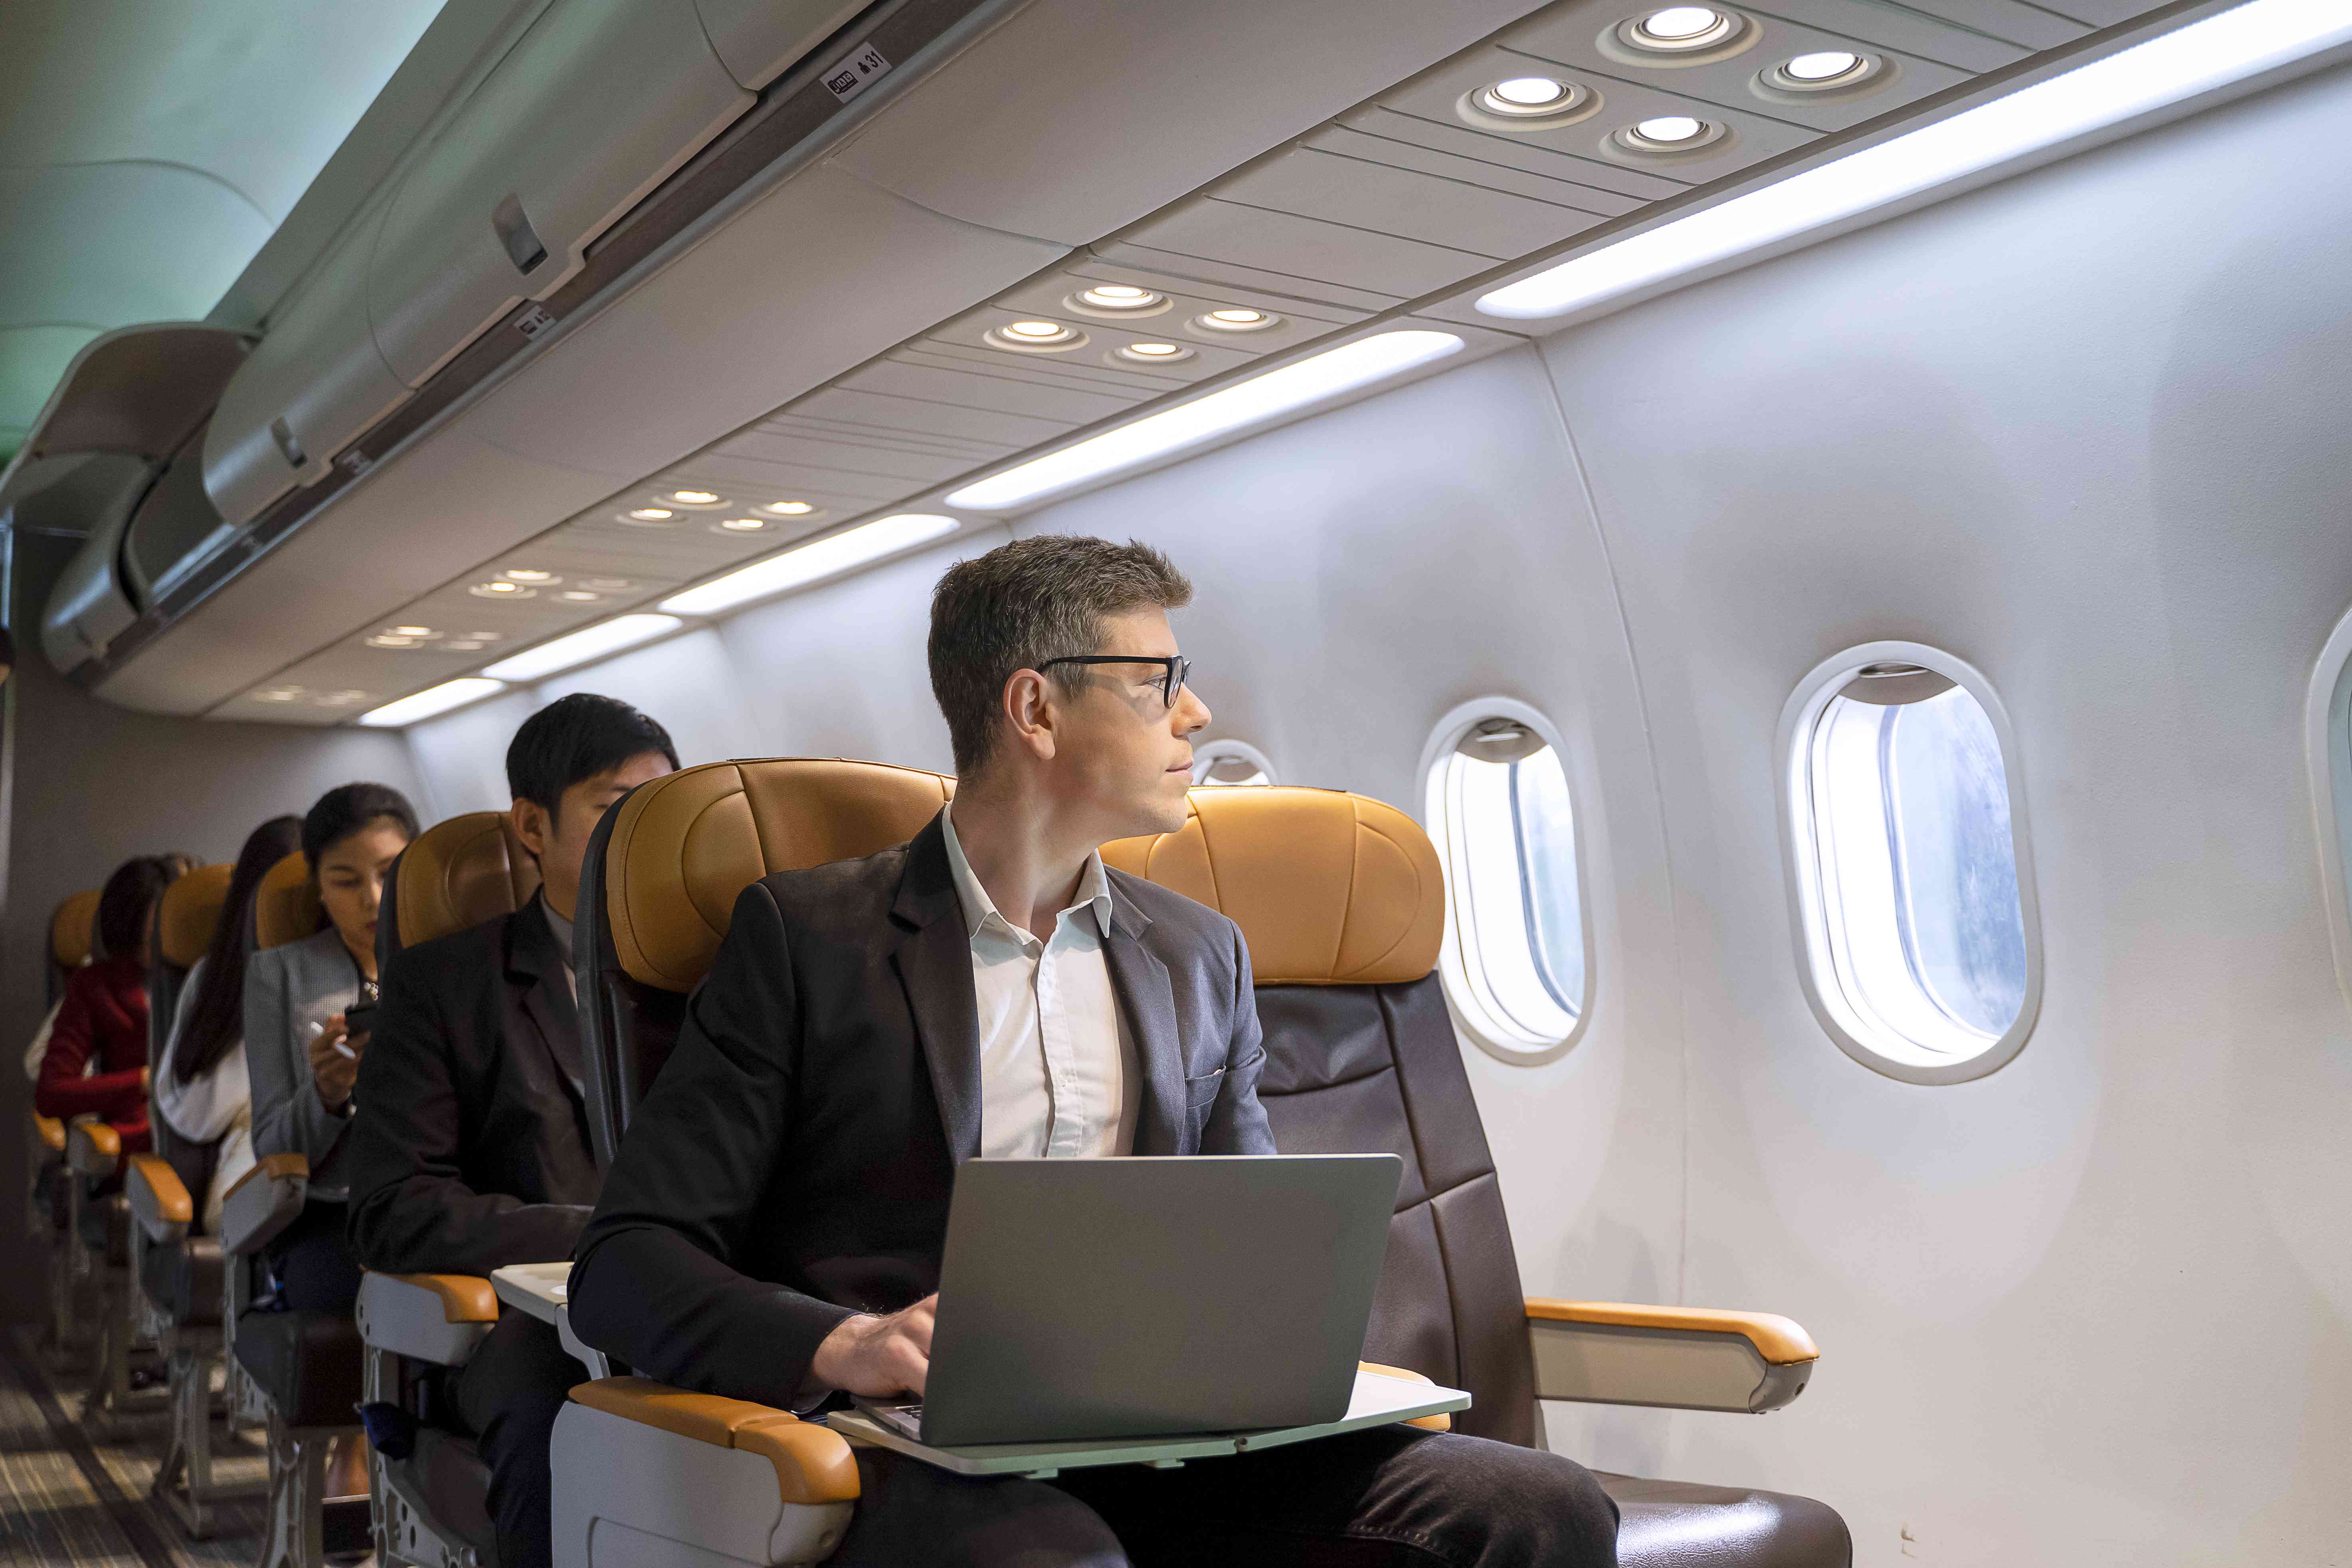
point(288, 1116)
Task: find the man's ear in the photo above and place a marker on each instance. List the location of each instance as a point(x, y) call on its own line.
point(532, 825)
point(1031, 708)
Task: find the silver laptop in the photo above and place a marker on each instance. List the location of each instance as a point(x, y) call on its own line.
point(1086, 1299)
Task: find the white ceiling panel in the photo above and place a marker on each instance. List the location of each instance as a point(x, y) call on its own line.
point(850, 407)
point(1093, 361)
point(2029, 27)
point(1454, 139)
point(1208, 272)
point(1313, 182)
point(968, 389)
point(1298, 247)
point(922, 444)
point(1901, 27)
point(1372, 148)
point(889, 473)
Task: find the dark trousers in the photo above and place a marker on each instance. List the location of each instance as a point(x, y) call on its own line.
point(1389, 1498)
point(313, 1264)
point(509, 1393)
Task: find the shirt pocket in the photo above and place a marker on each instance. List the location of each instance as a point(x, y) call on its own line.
point(1199, 1092)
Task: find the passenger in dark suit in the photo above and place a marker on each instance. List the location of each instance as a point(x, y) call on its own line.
point(470, 1147)
point(772, 1228)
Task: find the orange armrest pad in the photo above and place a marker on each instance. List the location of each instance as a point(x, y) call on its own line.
point(1778, 1339)
point(101, 1136)
point(52, 1132)
point(465, 1297)
point(814, 1464)
point(273, 1167)
point(1441, 1422)
point(154, 1173)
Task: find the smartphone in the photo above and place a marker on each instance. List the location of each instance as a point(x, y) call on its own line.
point(359, 1017)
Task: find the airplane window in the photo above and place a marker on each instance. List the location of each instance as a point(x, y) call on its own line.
point(1230, 762)
point(1515, 958)
point(1919, 945)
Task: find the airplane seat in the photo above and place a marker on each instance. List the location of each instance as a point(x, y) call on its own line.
point(303, 1368)
point(178, 1267)
point(432, 1494)
point(73, 935)
point(1341, 900)
point(647, 1475)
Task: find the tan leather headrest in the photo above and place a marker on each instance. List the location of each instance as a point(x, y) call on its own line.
point(286, 907)
point(685, 846)
point(188, 912)
point(461, 872)
point(73, 928)
point(1330, 888)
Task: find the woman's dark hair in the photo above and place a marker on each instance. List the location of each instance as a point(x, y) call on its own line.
point(128, 899)
point(349, 808)
point(216, 1016)
point(575, 737)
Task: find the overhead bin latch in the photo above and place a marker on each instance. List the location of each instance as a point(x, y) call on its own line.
point(521, 240)
point(289, 447)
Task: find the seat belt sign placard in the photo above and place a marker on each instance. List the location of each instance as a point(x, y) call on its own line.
point(849, 78)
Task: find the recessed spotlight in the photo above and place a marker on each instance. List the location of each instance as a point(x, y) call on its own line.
point(1528, 97)
point(789, 508)
point(1680, 24)
point(466, 645)
point(650, 516)
point(529, 574)
point(1679, 34)
point(342, 699)
point(1034, 337)
point(742, 524)
point(1115, 300)
point(1236, 319)
point(1823, 65)
point(579, 596)
point(1668, 133)
point(1820, 71)
point(501, 589)
point(695, 497)
point(1152, 354)
point(601, 586)
point(386, 641)
point(277, 694)
point(411, 631)
point(1669, 128)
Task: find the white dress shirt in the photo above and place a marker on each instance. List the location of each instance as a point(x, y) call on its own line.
point(1059, 1075)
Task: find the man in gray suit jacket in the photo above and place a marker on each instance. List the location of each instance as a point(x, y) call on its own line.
point(772, 1228)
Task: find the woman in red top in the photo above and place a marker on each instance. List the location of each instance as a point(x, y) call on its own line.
point(97, 1059)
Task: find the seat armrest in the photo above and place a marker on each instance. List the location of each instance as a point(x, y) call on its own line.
point(1441, 1422)
point(159, 1199)
point(92, 1148)
point(1689, 1358)
point(438, 1317)
point(640, 1468)
point(51, 1132)
point(264, 1202)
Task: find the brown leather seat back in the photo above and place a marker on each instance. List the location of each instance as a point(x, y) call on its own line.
point(1343, 902)
point(455, 874)
point(662, 876)
point(73, 937)
point(286, 907)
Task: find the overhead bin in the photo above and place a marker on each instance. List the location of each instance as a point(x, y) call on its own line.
point(315, 381)
point(596, 104)
point(173, 527)
point(88, 607)
point(760, 40)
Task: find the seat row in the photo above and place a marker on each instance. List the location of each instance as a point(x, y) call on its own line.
point(1340, 901)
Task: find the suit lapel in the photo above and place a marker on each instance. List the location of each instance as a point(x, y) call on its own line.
point(535, 971)
point(934, 966)
point(1148, 1003)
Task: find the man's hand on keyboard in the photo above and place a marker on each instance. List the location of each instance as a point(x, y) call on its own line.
point(878, 1356)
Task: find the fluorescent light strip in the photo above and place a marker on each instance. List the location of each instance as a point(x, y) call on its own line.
point(431, 701)
point(1323, 376)
point(807, 563)
point(589, 642)
point(2205, 55)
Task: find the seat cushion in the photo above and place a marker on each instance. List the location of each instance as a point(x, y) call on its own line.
point(448, 1477)
point(308, 1364)
point(185, 1282)
point(1678, 1524)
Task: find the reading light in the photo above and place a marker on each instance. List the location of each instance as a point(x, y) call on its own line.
point(649, 514)
point(411, 631)
point(1683, 27)
point(1234, 318)
point(529, 574)
point(277, 694)
point(389, 641)
point(579, 596)
point(431, 701)
point(580, 647)
point(501, 589)
point(1666, 129)
point(342, 698)
point(1118, 297)
point(694, 497)
point(601, 586)
point(1263, 396)
point(1154, 353)
point(1032, 336)
point(1528, 92)
point(1822, 66)
point(807, 563)
point(789, 508)
point(744, 524)
point(466, 644)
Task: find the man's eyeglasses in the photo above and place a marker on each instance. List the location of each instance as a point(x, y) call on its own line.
point(1172, 670)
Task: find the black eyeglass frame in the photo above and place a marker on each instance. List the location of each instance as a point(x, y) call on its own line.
point(1175, 669)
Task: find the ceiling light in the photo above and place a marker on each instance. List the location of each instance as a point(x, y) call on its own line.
point(501, 589)
point(529, 574)
point(411, 631)
point(2196, 59)
point(1262, 396)
point(741, 524)
point(1676, 23)
point(601, 586)
point(466, 645)
point(1120, 297)
point(579, 596)
point(649, 514)
point(695, 497)
point(580, 647)
point(1154, 353)
point(1033, 336)
point(487, 636)
point(1234, 318)
point(1824, 65)
point(383, 640)
point(1669, 128)
point(807, 563)
point(342, 698)
point(789, 508)
point(1527, 98)
point(432, 700)
point(277, 694)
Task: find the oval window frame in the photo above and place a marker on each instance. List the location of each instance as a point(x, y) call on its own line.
point(1469, 1019)
point(1227, 746)
point(1800, 860)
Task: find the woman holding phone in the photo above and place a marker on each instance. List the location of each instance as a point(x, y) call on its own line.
point(305, 1006)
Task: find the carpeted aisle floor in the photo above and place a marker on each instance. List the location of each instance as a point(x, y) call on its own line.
point(75, 1495)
